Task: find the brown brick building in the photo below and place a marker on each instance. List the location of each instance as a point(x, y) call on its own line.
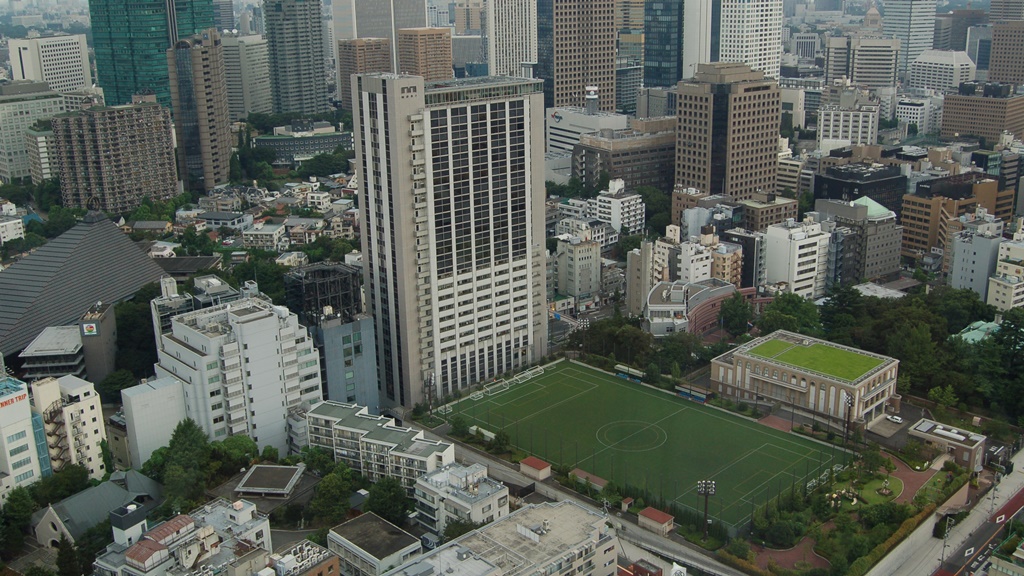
point(1006, 63)
point(576, 49)
point(360, 56)
point(425, 52)
point(643, 155)
point(983, 110)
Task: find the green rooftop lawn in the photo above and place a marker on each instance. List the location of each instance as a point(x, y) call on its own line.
point(835, 362)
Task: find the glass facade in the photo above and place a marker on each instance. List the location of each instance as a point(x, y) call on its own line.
point(663, 46)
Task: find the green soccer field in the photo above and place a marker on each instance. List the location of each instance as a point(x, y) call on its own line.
point(636, 436)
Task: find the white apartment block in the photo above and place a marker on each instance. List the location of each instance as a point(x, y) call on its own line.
point(615, 206)
point(912, 22)
point(11, 228)
point(578, 263)
point(751, 33)
point(840, 126)
point(796, 253)
point(511, 36)
point(21, 104)
point(270, 237)
point(247, 74)
point(375, 446)
point(152, 410)
point(588, 229)
point(452, 228)
point(60, 61)
point(695, 262)
point(244, 366)
point(459, 493)
point(940, 70)
point(1006, 286)
point(73, 422)
point(20, 456)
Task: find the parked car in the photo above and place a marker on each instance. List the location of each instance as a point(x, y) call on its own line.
point(895, 419)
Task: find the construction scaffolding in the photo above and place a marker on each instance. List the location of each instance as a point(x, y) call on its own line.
point(324, 290)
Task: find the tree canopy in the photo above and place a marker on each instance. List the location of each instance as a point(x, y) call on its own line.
point(389, 500)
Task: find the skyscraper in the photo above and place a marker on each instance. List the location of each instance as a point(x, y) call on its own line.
point(130, 40)
point(1004, 10)
point(60, 61)
point(864, 60)
point(385, 19)
point(247, 74)
point(511, 36)
point(199, 95)
point(716, 151)
point(576, 49)
point(1006, 63)
point(224, 14)
point(663, 43)
point(454, 269)
point(702, 28)
point(912, 22)
point(359, 56)
point(295, 37)
point(425, 52)
point(751, 33)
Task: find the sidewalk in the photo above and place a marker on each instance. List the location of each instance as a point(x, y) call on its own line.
point(920, 552)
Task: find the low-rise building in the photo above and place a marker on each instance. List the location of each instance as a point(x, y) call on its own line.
point(643, 155)
point(368, 545)
point(763, 210)
point(966, 448)
point(266, 236)
point(303, 139)
point(533, 467)
point(656, 521)
point(238, 221)
point(11, 228)
point(461, 494)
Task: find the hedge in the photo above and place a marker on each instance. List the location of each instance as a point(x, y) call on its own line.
point(742, 564)
point(861, 565)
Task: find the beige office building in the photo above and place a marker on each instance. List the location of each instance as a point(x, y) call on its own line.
point(983, 110)
point(360, 56)
point(425, 52)
point(865, 61)
point(1006, 63)
point(727, 140)
point(247, 73)
point(576, 49)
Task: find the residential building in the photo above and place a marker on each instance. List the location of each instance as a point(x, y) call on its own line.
point(941, 70)
point(840, 126)
point(461, 494)
point(751, 33)
point(663, 43)
point(60, 61)
point(265, 236)
point(73, 421)
point(565, 126)
point(639, 264)
point(665, 309)
point(199, 97)
point(984, 110)
point(130, 42)
point(21, 105)
point(877, 253)
point(152, 410)
point(144, 167)
point(576, 49)
point(247, 75)
point(92, 262)
point(39, 144)
point(865, 60)
point(11, 228)
point(974, 259)
point(623, 210)
point(578, 268)
point(752, 246)
point(855, 397)
point(220, 533)
point(885, 184)
point(637, 158)
point(295, 45)
point(368, 545)
point(538, 536)
point(1007, 57)
point(1006, 286)
point(912, 22)
point(796, 253)
point(375, 446)
point(511, 36)
point(23, 452)
point(243, 365)
point(498, 288)
point(425, 52)
point(713, 158)
point(360, 56)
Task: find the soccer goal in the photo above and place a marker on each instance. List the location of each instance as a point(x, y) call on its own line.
point(446, 409)
point(527, 375)
point(499, 386)
point(478, 395)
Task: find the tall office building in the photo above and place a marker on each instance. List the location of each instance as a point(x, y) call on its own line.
point(865, 61)
point(912, 22)
point(1006, 63)
point(117, 155)
point(702, 28)
point(199, 94)
point(223, 14)
point(663, 43)
point(979, 49)
point(385, 19)
point(469, 16)
point(21, 104)
point(60, 61)
point(295, 38)
point(130, 41)
point(629, 27)
point(453, 269)
point(360, 56)
point(511, 36)
point(716, 151)
point(1006, 10)
point(576, 49)
point(425, 52)
point(951, 28)
point(751, 33)
point(247, 75)
point(244, 366)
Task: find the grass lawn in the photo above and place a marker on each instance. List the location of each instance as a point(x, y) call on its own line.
point(830, 360)
point(632, 435)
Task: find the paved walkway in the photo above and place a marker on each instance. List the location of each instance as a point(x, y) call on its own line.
point(803, 554)
point(776, 422)
point(912, 479)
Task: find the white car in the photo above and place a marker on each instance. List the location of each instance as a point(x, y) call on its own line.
point(895, 419)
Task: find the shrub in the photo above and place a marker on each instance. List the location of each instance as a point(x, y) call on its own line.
point(739, 548)
point(742, 564)
point(861, 566)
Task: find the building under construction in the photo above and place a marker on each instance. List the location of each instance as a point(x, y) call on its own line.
point(322, 291)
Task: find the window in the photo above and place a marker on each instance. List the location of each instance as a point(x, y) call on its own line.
point(16, 436)
point(18, 449)
point(22, 463)
point(23, 476)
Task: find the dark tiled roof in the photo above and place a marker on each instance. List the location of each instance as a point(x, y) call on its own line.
point(55, 285)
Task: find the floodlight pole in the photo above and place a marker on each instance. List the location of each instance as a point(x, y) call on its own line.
point(707, 489)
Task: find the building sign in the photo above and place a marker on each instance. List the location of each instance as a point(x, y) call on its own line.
point(90, 329)
point(9, 401)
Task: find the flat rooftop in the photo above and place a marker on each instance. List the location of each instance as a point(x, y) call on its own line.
point(375, 535)
point(805, 353)
point(946, 433)
point(264, 478)
point(54, 341)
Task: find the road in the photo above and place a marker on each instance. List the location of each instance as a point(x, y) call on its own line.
point(920, 553)
point(974, 553)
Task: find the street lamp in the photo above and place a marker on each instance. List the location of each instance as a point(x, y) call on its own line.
point(945, 538)
point(707, 489)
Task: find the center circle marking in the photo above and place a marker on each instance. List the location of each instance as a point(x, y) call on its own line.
point(631, 436)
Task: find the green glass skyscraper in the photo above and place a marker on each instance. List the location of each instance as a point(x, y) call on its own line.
point(131, 38)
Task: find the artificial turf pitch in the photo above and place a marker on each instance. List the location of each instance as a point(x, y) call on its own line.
point(636, 436)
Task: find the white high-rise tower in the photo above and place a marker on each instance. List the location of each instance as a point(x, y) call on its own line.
point(751, 33)
point(511, 36)
point(453, 208)
point(913, 23)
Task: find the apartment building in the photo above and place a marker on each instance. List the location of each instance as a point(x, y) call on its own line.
point(72, 416)
point(24, 457)
point(243, 365)
point(265, 236)
point(247, 75)
point(797, 255)
point(369, 545)
point(878, 237)
point(461, 494)
point(578, 264)
point(295, 46)
point(21, 105)
point(375, 446)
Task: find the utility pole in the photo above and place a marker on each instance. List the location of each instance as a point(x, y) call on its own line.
point(945, 538)
point(707, 489)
